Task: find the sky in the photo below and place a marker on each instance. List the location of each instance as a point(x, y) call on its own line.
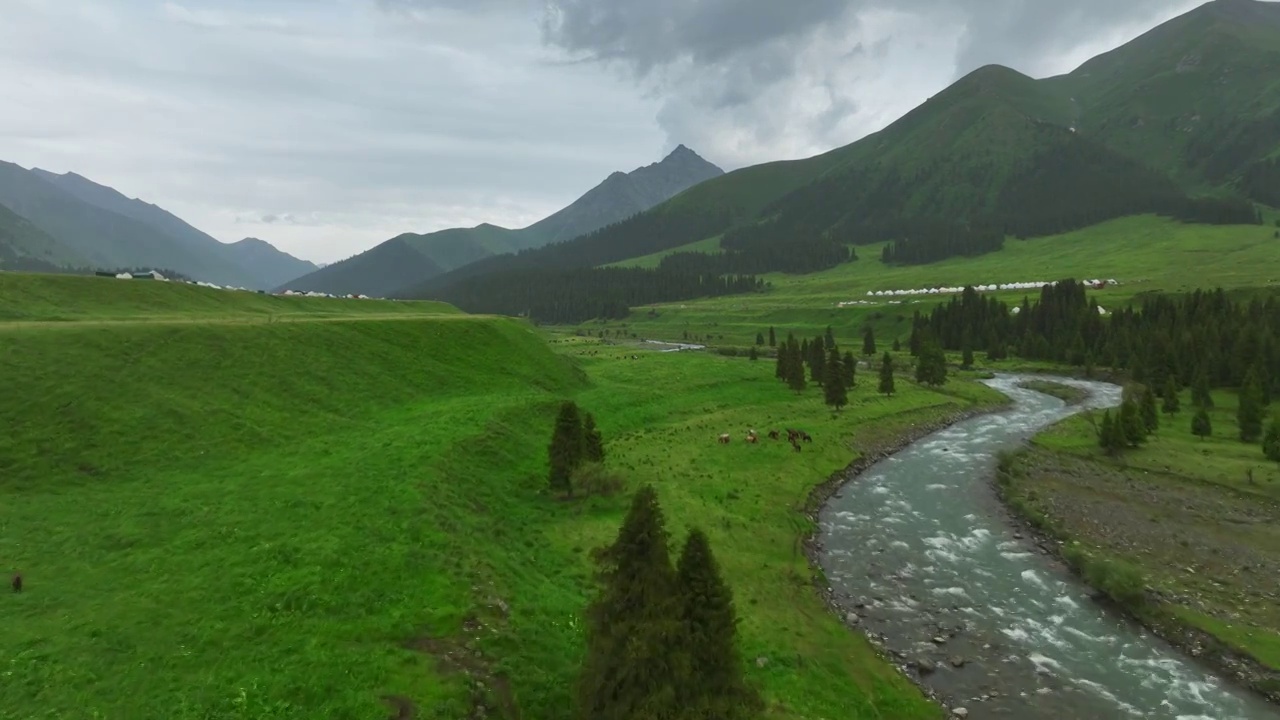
point(328, 126)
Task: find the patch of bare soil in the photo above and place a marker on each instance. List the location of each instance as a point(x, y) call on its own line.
point(1202, 547)
point(491, 694)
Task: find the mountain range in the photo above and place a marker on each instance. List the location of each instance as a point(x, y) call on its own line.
point(1182, 121)
point(51, 222)
point(411, 258)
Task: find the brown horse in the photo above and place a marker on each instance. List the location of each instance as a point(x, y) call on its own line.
point(724, 439)
point(773, 434)
point(752, 438)
point(805, 436)
point(795, 445)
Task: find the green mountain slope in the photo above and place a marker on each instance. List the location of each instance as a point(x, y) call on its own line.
point(387, 268)
point(1197, 97)
point(997, 153)
point(255, 264)
point(23, 246)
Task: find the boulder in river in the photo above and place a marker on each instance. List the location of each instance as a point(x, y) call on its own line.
point(960, 712)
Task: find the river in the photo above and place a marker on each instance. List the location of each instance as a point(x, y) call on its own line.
point(920, 548)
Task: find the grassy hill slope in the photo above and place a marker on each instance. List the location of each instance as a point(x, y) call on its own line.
point(294, 519)
point(1144, 253)
point(22, 242)
point(29, 297)
point(996, 153)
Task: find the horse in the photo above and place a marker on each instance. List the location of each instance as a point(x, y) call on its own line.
point(724, 439)
point(773, 434)
point(796, 445)
point(752, 438)
point(805, 436)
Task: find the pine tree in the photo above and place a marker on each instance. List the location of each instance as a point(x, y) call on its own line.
point(593, 441)
point(1147, 407)
point(886, 375)
point(931, 366)
point(1171, 404)
point(1109, 439)
point(850, 367)
point(966, 353)
point(868, 342)
point(636, 661)
point(780, 365)
point(1201, 426)
point(1271, 441)
point(795, 373)
point(1131, 425)
point(897, 345)
point(1200, 395)
point(718, 688)
point(817, 361)
point(759, 339)
point(1249, 412)
point(773, 339)
point(833, 389)
point(753, 354)
point(830, 338)
point(566, 448)
point(914, 342)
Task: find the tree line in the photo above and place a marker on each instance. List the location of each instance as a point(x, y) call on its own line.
point(1261, 181)
point(1201, 340)
point(820, 361)
point(578, 294)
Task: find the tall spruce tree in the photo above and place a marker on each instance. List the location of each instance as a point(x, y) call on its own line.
point(567, 447)
point(717, 689)
point(833, 389)
point(830, 338)
point(795, 371)
point(897, 345)
point(753, 354)
point(1271, 441)
point(1201, 425)
point(817, 361)
point(966, 353)
point(1147, 407)
point(886, 375)
point(1111, 437)
point(593, 441)
point(931, 366)
point(1131, 424)
point(636, 663)
point(1200, 395)
point(850, 367)
point(1250, 410)
point(868, 342)
point(1171, 404)
point(773, 339)
point(759, 339)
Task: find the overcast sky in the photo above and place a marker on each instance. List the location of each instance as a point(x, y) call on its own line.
point(327, 126)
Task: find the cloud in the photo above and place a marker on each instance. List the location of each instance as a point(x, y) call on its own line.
point(321, 127)
point(750, 80)
point(326, 127)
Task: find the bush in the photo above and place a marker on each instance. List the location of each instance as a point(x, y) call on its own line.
point(595, 479)
point(1123, 582)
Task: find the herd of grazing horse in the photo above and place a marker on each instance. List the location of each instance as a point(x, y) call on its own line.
point(793, 436)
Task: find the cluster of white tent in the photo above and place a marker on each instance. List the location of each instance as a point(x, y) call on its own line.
point(153, 275)
point(994, 287)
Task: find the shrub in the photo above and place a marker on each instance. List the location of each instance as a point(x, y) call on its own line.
point(595, 479)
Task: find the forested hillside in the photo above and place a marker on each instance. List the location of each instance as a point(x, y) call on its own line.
point(995, 155)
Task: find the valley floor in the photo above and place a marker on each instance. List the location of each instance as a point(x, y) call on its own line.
point(1200, 519)
point(347, 519)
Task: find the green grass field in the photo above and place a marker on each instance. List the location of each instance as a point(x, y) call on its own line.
point(1144, 253)
point(1201, 518)
point(224, 519)
point(30, 297)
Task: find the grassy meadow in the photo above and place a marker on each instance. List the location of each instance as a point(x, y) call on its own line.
point(1144, 253)
point(222, 519)
point(1200, 518)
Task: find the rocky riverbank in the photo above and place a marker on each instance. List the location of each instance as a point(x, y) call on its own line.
point(1054, 519)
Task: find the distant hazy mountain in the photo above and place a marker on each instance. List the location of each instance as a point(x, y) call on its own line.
point(411, 258)
point(252, 263)
point(23, 246)
point(268, 262)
